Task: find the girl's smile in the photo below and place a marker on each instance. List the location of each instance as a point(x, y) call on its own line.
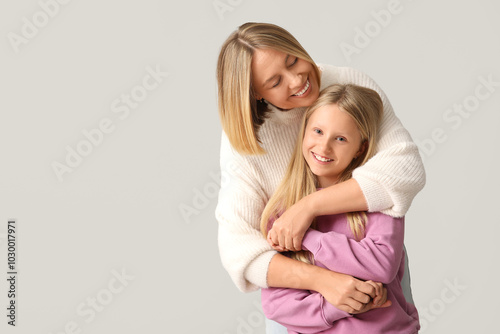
point(321, 159)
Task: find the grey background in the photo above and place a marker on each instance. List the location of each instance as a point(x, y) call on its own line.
point(120, 209)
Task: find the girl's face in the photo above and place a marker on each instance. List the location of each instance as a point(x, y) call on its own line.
point(283, 80)
point(331, 141)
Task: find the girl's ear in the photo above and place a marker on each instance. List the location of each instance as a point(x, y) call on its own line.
point(362, 149)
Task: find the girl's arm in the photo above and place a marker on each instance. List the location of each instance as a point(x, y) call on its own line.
point(288, 230)
point(376, 257)
point(308, 311)
point(300, 310)
point(343, 291)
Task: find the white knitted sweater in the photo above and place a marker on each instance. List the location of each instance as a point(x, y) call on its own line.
point(389, 181)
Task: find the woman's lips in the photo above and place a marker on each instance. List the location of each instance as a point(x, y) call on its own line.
point(304, 90)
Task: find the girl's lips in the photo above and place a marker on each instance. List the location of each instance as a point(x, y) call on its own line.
point(305, 90)
point(324, 160)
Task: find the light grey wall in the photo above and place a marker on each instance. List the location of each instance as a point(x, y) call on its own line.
point(67, 68)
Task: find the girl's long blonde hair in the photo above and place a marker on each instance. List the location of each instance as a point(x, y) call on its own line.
point(240, 113)
point(365, 107)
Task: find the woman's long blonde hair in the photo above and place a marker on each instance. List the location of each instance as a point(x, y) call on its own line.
point(240, 113)
point(365, 107)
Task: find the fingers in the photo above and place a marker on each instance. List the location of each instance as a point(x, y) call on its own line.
point(366, 307)
point(380, 299)
point(274, 245)
point(297, 244)
point(367, 288)
point(353, 306)
point(386, 304)
point(361, 297)
point(383, 299)
point(281, 239)
point(379, 287)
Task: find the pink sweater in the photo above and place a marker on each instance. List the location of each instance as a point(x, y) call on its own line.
point(378, 257)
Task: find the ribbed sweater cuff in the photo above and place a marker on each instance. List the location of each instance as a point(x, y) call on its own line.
point(256, 271)
point(377, 198)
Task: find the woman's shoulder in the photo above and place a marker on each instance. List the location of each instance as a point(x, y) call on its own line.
point(331, 74)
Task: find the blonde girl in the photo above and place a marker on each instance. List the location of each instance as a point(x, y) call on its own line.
point(265, 81)
point(338, 134)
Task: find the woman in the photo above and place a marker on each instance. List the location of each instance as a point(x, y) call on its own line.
point(265, 81)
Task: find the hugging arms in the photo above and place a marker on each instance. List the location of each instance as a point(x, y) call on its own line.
point(267, 116)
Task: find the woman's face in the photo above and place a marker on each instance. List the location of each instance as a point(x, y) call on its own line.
point(331, 141)
point(283, 80)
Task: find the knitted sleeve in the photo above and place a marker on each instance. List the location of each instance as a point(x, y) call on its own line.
point(393, 177)
point(244, 252)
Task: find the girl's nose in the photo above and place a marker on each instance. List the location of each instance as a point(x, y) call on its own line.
point(325, 145)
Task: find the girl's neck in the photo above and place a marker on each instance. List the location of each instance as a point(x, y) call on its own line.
point(326, 182)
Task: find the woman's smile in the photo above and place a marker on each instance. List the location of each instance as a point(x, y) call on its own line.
point(284, 80)
point(304, 90)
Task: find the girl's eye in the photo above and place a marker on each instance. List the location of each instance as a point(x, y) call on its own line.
point(341, 139)
point(318, 131)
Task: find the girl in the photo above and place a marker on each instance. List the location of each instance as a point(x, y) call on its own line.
point(338, 134)
point(265, 78)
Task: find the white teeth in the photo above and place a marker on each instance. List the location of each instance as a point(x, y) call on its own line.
point(304, 90)
point(320, 158)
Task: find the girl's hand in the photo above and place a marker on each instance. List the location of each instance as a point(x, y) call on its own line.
point(352, 295)
point(289, 229)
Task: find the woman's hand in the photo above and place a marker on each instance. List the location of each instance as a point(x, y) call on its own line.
point(352, 295)
point(289, 229)
point(380, 298)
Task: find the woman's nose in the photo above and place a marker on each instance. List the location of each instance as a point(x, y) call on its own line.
point(295, 80)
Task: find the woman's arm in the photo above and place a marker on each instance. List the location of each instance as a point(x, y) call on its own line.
point(248, 258)
point(375, 257)
point(388, 182)
point(394, 176)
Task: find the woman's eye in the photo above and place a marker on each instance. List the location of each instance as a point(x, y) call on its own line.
point(277, 83)
point(294, 61)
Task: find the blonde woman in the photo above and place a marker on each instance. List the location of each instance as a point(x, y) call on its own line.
point(265, 81)
point(339, 134)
